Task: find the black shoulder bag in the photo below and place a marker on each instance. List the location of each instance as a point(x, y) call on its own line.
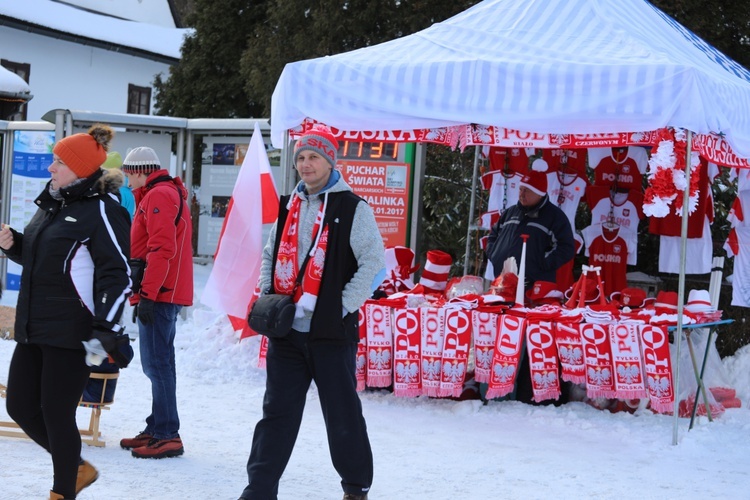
point(272, 314)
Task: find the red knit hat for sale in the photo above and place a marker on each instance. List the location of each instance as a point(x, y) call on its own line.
point(321, 140)
point(436, 271)
point(544, 292)
point(666, 302)
point(536, 179)
point(85, 153)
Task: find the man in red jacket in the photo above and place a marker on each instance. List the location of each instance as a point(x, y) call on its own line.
point(161, 237)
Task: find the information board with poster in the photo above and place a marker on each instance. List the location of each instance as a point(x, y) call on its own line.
point(32, 154)
point(220, 165)
point(381, 173)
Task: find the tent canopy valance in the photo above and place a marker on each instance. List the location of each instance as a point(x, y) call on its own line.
point(554, 68)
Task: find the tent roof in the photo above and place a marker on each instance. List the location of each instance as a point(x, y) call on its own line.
point(546, 66)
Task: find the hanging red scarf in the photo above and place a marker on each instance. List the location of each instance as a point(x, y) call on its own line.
point(287, 263)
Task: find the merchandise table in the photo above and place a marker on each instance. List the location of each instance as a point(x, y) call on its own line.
point(701, 390)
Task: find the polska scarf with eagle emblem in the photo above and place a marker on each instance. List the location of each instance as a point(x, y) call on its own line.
point(285, 275)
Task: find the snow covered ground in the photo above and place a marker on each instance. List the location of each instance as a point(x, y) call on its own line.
point(424, 449)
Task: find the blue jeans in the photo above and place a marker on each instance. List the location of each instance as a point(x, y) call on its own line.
point(157, 359)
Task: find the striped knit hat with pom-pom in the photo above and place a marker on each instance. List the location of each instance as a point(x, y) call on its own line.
point(85, 153)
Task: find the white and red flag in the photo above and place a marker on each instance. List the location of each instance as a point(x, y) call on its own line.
point(231, 286)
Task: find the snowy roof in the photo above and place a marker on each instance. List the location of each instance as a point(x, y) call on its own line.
point(13, 85)
point(54, 16)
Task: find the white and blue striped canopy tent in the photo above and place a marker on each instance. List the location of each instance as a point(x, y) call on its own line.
point(544, 66)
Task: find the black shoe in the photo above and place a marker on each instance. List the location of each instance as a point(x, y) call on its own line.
point(353, 496)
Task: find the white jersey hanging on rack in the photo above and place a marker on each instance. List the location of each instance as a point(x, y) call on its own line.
point(624, 208)
point(743, 178)
point(620, 166)
point(503, 188)
point(566, 190)
point(738, 247)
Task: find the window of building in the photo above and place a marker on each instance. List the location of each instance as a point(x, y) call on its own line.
point(22, 70)
point(139, 100)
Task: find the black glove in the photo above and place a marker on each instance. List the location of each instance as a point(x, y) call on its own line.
point(117, 346)
point(146, 311)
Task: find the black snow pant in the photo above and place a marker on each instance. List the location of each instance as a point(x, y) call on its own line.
point(45, 384)
point(292, 363)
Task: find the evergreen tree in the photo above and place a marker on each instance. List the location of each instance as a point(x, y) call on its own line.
point(207, 83)
point(296, 30)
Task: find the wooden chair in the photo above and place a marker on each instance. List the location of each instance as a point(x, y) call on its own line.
point(90, 436)
point(9, 429)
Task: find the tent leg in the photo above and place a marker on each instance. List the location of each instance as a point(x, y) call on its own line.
point(470, 227)
point(681, 282)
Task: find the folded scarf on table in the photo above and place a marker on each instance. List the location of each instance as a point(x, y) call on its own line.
point(657, 364)
point(407, 381)
point(542, 352)
point(433, 328)
point(506, 355)
point(379, 344)
point(626, 361)
point(456, 344)
point(597, 355)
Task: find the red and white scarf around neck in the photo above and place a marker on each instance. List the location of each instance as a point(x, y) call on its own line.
point(287, 264)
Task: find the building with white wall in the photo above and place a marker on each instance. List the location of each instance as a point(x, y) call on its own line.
point(85, 54)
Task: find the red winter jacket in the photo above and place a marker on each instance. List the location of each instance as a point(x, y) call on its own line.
point(165, 245)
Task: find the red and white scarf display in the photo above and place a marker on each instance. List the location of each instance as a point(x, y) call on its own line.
point(433, 328)
point(484, 331)
point(542, 352)
point(570, 351)
point(627, 361)
point(658, 367)
point(407, 380)
point(506, 355)
point(362, 351)
point(379, 345)
point(456, 344)
point(597, 355)
point(287, 264)
point(262, 351)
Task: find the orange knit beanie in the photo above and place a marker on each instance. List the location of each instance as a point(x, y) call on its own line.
point(85, 153)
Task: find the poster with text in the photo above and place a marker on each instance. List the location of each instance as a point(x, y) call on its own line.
point(385, 186)
point(32, 154)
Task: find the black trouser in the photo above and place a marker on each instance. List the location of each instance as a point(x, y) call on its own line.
point(292, 363)
point(45, 384)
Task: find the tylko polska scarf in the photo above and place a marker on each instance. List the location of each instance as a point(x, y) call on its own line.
point(285, 275)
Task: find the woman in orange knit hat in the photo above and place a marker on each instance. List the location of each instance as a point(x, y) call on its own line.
point(74, 283)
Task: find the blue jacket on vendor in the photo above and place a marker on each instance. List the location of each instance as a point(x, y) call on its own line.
point(549, 246)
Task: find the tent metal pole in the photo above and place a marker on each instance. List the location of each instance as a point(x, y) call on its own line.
point(681, 286)
point(470, 227)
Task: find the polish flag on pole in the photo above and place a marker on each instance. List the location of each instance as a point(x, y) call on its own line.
point(232, 285)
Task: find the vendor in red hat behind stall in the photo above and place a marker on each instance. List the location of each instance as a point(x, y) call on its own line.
point(550, 244)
